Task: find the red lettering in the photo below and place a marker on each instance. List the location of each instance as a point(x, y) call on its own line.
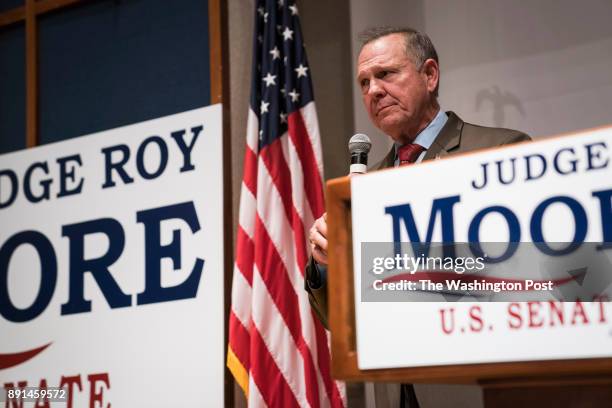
point(602, 310)
point(452, 320)
point(534, 310)
point(71, 382)
point(579, 311)
point(556, 309)
point(95, 396)
point(14, 403)
point(514, 311)
point(42, 402)
point(476, 317)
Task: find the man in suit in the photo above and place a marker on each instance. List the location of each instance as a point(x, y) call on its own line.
point(399, 75)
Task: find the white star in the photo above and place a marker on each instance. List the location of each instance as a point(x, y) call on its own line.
point(265, 17)
point(287, 34)
point(294, 96)
point(260, 10)
point(264, 107)
point(275, 53)
point(293, 9)
point(301, 71)
point(261, 134)
point(281, 3)
point(269, 79)
point(283, 117)
point(260, 38)
point(285, 60)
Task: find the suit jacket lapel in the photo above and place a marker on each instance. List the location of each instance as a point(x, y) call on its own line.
point(448, 138)
point(388, 161)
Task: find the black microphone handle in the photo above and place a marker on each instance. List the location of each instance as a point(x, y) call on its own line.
point(359, 162)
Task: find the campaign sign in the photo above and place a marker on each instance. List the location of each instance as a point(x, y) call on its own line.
point(542, 206)
point(111, 266)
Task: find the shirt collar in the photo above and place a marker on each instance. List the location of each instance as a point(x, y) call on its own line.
point(427, 136)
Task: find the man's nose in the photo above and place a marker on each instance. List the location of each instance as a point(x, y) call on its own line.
point(376, 90)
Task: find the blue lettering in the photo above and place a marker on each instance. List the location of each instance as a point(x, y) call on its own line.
point(48, 275)
point(514, 232)
point(484, 177)
point(574, 163)
point(163, 157)
point(605, 203)
point(27, 184)
point(403, 212)
point(178, 136)
point(98, 267)
point(596, 155)
point(500, 172)
point(12, 178)
point(155, 252)
point(109, 165)
point(580, 221)
point(69, 174)
point(530, 175)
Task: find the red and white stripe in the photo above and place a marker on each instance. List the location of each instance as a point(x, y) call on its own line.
point(277, 341)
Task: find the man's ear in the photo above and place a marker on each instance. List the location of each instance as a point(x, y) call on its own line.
point(432, 72)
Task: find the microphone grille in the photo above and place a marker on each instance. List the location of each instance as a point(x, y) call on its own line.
point(359, 143)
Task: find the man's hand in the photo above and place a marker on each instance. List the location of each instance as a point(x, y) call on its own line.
point(318, 240)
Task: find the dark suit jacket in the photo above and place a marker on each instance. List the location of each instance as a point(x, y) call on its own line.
point(455, 137)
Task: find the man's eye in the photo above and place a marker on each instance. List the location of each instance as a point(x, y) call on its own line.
point(382, 74)
point(364, 84)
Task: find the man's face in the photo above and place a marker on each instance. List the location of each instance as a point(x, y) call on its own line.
point(395, 94)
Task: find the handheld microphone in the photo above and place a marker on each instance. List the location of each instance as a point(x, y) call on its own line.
point(359, 146)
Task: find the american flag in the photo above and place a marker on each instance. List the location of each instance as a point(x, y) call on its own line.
point(278, 350)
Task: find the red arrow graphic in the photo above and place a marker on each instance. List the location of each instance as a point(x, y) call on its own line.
point(13, 359)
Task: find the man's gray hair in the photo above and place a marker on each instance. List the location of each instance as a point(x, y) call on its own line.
point(419, 47)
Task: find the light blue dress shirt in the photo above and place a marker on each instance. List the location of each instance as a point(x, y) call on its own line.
point(426, 137)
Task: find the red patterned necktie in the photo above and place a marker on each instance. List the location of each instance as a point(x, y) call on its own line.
point(409, 153)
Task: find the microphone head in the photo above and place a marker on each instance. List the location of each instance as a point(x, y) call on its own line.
point(359, 143)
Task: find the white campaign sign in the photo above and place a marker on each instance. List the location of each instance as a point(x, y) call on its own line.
point(111, 256)
point(562, 189)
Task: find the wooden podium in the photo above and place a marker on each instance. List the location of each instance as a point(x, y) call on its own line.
point(560, 383)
